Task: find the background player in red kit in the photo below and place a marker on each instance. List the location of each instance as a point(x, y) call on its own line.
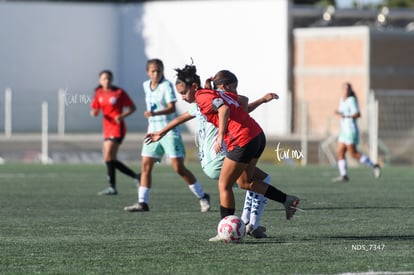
point(243, 137)
point(112, 101)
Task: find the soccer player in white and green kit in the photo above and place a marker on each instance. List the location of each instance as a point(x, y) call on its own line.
point(160, 100)
point(211, 162)
point(349, 134)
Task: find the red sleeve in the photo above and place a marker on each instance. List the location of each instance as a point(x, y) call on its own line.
point(207, 101)
point(126, 100)
point(95, 102)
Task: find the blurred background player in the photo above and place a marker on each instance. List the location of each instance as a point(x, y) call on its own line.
point(160, 100)
point(242, 136)
point(112, 101)
point(349, 134)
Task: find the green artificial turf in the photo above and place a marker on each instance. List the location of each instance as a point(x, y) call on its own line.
point(53, 222)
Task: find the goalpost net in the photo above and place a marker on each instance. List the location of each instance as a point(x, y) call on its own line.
point(391, 125)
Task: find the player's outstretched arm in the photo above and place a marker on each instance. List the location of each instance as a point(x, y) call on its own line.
point(156, 136)
point(266, 98)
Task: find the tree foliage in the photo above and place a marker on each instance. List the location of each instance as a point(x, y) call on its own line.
point(314, 2)
point(399, 3)
point(358, 3)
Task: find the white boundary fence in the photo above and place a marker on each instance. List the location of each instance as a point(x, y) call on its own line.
point(61, 112)
point(8, 119)
point(8, 112)
point(304, 132)
point(373, 126)
point(45, 131)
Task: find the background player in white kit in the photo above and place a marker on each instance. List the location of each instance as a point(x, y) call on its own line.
point(160, 99)
point(349, 134)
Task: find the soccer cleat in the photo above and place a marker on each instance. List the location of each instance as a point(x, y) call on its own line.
point(137, 207)
point(258, 233)
point(341, 179)
point(205, 203)
point(110, 191)
point(216, 239)
point(291, 204)
point(377, 171)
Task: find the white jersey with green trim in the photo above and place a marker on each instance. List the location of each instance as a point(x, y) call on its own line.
point(207, 136)
point(157, 100)
point(348, 107)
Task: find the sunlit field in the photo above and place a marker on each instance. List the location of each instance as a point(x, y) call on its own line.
point(53, 222)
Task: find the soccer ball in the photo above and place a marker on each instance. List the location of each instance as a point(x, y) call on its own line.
point(231, 229)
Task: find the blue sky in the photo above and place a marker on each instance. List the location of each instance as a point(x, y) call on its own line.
point(348, 3)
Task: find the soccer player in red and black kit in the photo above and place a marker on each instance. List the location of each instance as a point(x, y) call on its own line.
point(241, 134)
point(112, 101)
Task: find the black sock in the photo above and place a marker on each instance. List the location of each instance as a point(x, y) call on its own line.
point(226, 211)
point(275, 194)
point(124, 169)
point(111, 173)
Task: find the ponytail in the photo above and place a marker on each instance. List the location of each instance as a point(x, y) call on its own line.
point(208, 84)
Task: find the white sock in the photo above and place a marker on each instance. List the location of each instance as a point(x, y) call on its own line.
point(365, 160)
point(258, 205)
point(247, 208)
point(197, 190)
point(342, 167)
point(263, 201)
point(262, 206)
point(143, 194)
point(254, 206)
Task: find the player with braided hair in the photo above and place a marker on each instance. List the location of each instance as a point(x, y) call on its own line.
point(242, 137)
point(211, 162)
